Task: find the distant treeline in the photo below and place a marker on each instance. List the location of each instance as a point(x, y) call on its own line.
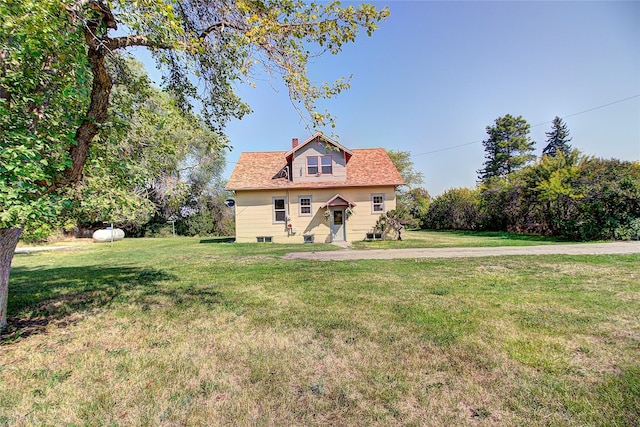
point(574, 197)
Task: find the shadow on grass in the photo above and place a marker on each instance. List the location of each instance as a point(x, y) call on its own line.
point(218, 240)
point(39, 296)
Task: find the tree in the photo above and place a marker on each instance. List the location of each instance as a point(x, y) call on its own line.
point(147, 157)
point(208, 215)
point(412, 200)
point(610, 203)
point(508, 147)
point(558, 139)
point(416, 201)
point(455, 209)
point(55, 82)
point(402, 161)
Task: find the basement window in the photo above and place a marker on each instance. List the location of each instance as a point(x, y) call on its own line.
point(264, 239)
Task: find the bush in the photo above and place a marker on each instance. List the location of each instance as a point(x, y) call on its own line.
point(630, 231)
point(455, 209)
point(610, 201)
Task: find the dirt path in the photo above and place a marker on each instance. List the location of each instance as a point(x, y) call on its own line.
point(572, 249)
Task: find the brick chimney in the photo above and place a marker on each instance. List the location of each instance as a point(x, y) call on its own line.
point(294, 142)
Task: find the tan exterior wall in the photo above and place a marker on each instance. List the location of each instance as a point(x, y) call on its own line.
point(317, 149)
point(255, 214)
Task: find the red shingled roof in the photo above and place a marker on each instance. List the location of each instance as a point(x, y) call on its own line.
point(366, 167)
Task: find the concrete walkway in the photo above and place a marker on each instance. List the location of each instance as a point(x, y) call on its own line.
point(570, 249)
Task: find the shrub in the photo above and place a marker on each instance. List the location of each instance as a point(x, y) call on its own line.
point(630, 231)
point(455, 209)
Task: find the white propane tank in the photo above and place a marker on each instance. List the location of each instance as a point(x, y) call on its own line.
point(101, 236)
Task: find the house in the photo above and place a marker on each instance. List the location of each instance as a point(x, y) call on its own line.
point(318, 191)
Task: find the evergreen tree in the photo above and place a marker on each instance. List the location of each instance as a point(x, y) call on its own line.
point(558, 139)
point(508, 147)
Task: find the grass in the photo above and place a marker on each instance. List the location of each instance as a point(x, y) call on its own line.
point(183, 331)
point(448, 239)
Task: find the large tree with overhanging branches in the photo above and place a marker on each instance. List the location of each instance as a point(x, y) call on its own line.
point(55, 79)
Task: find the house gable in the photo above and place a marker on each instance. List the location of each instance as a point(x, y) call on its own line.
point(318, 137)
point(317, 161)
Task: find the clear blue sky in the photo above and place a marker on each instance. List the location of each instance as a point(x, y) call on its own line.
point(436, 74)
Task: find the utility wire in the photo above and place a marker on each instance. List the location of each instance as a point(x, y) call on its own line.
point(539, 124)
point(453, 147)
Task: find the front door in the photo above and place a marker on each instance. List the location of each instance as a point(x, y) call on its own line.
point(337, 226)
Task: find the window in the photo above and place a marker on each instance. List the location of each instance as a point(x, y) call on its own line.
point(377, 203)
point(308, 239)
point(323, 166)
point(304, 204)
point(338, 218)
point(279, 209)
point(327, 165)
point(264, 239)
point(312, 165)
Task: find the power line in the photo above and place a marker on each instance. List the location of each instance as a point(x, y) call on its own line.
point(539, 124)
point(479, 141)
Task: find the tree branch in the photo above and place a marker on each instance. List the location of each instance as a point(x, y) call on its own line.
point(134, 40)
point(219, 25)
point(97, 113)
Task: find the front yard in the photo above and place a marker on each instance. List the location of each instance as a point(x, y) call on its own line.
point(181, 331)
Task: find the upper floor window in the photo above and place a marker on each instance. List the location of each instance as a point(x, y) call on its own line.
point(377, 203)
point(323, 166)
point(279, 209)
point(304, 203)
point(312, 165)
point(327, 165)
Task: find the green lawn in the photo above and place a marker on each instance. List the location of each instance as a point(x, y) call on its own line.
point(448, 239)
point(195, 332)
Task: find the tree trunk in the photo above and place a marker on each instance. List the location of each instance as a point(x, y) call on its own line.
point(96, 115)
point(8, 241)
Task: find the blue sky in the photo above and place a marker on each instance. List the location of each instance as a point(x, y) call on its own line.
point(436, 74)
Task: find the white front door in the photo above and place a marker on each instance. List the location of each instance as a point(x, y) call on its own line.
point(337, 225)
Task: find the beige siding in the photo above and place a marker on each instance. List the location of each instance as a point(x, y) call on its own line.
point(318, 149)
point(254, 214)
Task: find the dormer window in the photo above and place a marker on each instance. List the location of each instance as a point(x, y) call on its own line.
point(319, 165)
point(312, 165)
point(327, 165)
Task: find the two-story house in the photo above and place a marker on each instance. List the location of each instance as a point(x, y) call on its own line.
point(319, 191)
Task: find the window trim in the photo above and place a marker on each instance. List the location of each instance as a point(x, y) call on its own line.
point(274, 210)
point(300, 206)
point(382, 204)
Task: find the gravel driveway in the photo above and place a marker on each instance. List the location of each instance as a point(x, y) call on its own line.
point(572, 249)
